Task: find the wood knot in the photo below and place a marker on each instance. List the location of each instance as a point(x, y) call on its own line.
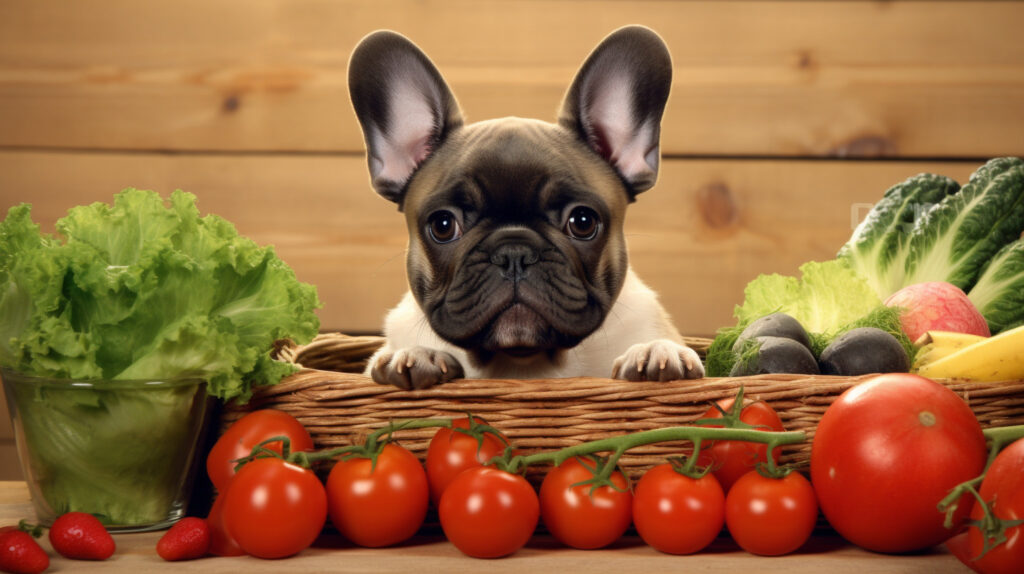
point(231, 104)
point(805, 61)
point(717, 205)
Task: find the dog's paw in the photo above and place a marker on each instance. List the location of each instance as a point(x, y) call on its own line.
point(660, 360)
point(415, 368)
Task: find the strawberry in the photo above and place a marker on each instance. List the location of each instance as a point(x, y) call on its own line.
point(20, 553)
point(81, 536)
point(188, 539)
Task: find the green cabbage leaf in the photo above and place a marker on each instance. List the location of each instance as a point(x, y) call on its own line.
point(999, 292)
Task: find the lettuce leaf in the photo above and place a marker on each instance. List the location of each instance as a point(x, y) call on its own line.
point(141, 289)
point(827, 296)
point(144, 289)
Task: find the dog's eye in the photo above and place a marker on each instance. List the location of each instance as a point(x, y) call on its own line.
point(443, 227)
point(583, 223)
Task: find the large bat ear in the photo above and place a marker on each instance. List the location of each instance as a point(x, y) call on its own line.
point(404, 107)
point(616, 102)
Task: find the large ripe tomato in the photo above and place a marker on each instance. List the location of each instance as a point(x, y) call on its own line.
point(378, 505)
point(677, 514)
point(487, 513)
point(1003, 489)
point(452, 451)
point(886, 452)
point(274, 508)
point(579, 517)
point(731, 459)
point(771, 516)
point(247, 432)
point(221, 543)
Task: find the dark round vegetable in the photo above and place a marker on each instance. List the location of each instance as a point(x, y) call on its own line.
point(777, 355)
point(864, 350)
point(774, 325)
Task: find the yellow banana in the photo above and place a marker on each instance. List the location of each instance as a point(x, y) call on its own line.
point(935, 345)
point(996, 358)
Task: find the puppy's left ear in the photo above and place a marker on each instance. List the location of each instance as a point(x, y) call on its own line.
point(616, 102)
point(404, 106)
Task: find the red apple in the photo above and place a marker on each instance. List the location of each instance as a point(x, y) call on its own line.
point(937, 306)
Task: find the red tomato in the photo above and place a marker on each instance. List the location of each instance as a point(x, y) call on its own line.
point(1003, 489)
point(451, 452)
point(247, 432)
point(488, 513)
point(731, 459)
point(677, 514)
point(959, 547)
point(274, 508)
point(378, 505)
point(221, 543)
point(578, 517)
point(886, 452)
point(771, 516)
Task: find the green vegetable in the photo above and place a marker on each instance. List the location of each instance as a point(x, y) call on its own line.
point(828, 299)
point(137, 290)
point(999, 292)
point(878, 247)
point(954, 241)
point(904, 240)
point(142, 290)
point(827, 296)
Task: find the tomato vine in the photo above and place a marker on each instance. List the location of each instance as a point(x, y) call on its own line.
point(993, 528)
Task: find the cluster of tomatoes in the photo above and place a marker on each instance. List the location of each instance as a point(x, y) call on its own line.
point(884, 454)
point(274, 508)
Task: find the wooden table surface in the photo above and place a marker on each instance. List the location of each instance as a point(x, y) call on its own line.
point(823, 554)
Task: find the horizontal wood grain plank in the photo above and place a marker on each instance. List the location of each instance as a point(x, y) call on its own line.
point(894, 79)
point(698, 237)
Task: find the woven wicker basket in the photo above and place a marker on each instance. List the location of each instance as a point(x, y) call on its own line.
point(340, 406)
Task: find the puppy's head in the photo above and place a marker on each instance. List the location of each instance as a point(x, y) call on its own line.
point(515, 226)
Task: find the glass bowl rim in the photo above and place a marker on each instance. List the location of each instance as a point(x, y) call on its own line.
point(17, 377)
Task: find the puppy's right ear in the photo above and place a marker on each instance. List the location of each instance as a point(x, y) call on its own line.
point(404, 107)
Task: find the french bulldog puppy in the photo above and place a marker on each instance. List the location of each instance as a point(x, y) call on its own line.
point(517, 264)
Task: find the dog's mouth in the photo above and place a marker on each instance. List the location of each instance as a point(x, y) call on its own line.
point(519, 331)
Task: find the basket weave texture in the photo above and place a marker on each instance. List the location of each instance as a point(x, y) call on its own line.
point(339, 406)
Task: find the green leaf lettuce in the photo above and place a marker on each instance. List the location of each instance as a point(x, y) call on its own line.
point(142, 289)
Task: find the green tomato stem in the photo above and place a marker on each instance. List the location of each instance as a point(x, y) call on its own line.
point(406, 424)
point(997, 437)
point(373, 444)
point(618, 445)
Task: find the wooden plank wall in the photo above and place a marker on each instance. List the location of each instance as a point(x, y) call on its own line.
point(785, 122)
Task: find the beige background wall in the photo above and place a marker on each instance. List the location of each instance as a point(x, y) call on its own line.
point(785, 121)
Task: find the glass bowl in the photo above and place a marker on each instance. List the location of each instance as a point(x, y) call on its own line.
point(122, 450)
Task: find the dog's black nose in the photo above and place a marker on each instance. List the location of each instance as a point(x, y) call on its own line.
point(514, 258)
